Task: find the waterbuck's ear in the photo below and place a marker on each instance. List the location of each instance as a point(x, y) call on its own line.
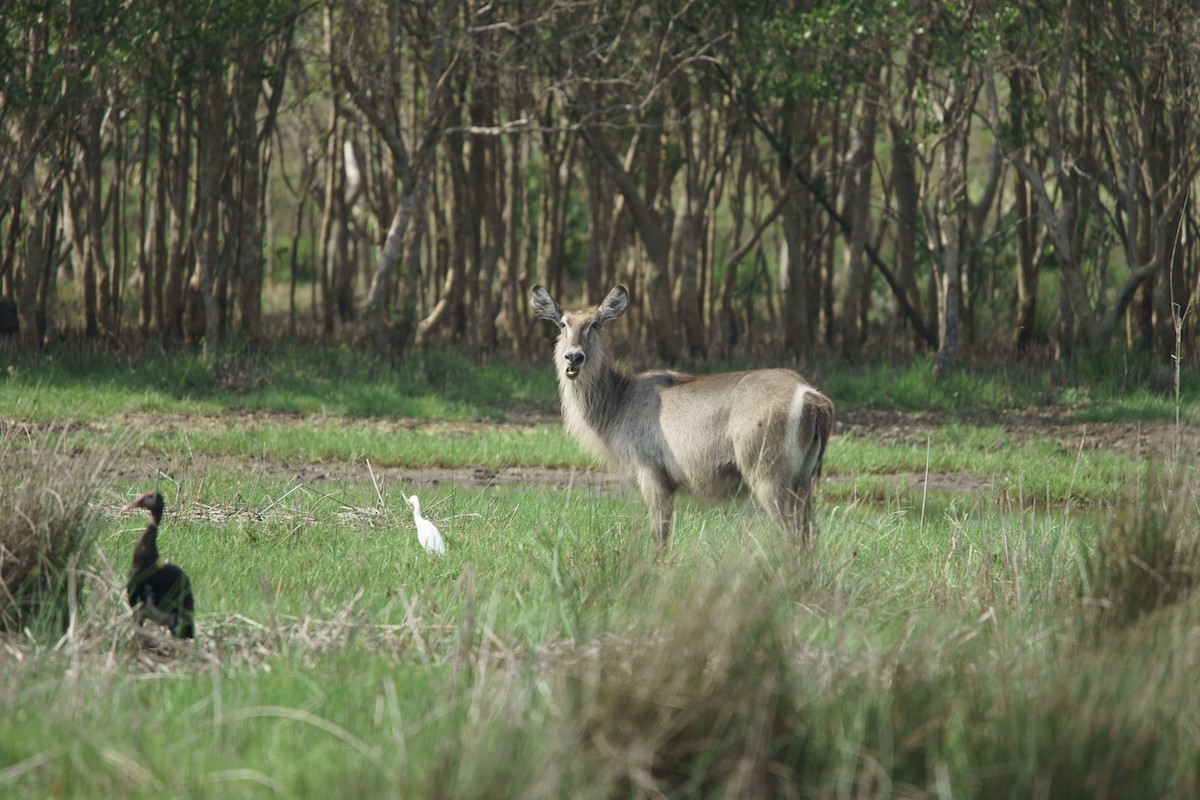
point(544, 305)
point(615, 304)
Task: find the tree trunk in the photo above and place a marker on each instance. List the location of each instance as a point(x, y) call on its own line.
point(798, 270)
point(1025, 323)
point(859, 163)
point(906, 192)
point(511, 325)
point(207, 231)
point(492, 251)
point(248, 224)
point(948, 221)
point(794, 272)
point(75, 229)
point(146, 224)
point(550, 230)
point(117, 222)
point(95, 273)
point(1026, 233)
point(725, 328)
point(487, 178)
point(687, 235)
point(327, 244)
point(599, 205)
point(47, 290)
point(36, 263)
point(687, 239)
point(180, 237)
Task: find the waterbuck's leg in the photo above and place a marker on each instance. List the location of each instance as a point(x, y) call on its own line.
point(773, 499)
point(787, 506)
point(660, 499)
point(802, 514)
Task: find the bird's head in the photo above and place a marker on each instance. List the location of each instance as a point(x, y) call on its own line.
point(415, 502)
point(152, 502)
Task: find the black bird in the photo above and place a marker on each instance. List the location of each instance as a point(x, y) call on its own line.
point(159, 591)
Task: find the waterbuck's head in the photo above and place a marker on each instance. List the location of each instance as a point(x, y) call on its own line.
point(579, 336)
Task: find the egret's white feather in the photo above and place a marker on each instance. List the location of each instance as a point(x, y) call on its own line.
point(427, 532)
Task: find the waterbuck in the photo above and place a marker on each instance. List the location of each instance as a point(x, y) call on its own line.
point(713, 434)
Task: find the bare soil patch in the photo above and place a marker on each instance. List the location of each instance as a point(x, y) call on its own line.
point(324, 473)
point(1153, 439)
point(1156, 440)
point(1150, 440)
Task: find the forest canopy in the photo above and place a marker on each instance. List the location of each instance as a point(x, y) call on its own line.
point(920, 176)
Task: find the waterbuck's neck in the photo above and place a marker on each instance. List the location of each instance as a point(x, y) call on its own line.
point(591, 404)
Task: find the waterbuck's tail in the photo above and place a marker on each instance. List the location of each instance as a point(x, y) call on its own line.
point(816, 424)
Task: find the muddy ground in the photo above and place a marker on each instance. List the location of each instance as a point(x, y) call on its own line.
point(1156, 440)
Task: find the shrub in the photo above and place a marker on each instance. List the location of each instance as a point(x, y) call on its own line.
point(46, 524)
point(1148, 556)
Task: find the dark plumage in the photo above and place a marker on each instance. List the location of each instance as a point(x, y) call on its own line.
point(159, 591)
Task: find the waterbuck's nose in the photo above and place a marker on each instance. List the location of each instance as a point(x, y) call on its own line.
point(575, 358)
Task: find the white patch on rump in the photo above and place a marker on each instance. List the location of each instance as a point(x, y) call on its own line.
point(795, 455)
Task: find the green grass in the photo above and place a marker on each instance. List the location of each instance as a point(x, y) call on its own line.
point(285, 378)
point(1034, 637)
point(338, 439)
point(910, 652)
point(292, 378)
point(1090, 389)
point(339, 539)
point(1038, 469)
point(940, 646)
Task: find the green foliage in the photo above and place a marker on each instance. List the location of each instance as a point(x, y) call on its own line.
point(56, 63)
point(820, 51)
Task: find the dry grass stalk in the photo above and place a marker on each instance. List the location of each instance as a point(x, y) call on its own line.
point(1148, 556)
point(46, 523)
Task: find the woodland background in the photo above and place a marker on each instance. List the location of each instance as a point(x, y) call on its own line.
point(965, 179)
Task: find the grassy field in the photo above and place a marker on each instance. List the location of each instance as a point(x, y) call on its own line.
point(1000, 603)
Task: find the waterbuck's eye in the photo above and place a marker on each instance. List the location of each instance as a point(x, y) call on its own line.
point(562, 324)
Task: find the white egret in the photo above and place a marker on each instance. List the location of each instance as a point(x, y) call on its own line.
point(427, 532)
